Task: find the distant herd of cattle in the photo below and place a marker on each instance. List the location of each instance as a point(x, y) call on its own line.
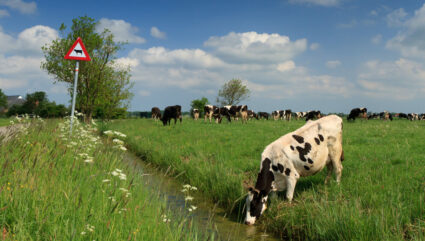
point(241, 111)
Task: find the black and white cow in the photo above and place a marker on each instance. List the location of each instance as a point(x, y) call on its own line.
point(413, 116)
point(357, 112)
point(277, 114)
point(220, 112)
point(313, 114)
point(303, 152)
point(264, 115)
point(252, 114)
point(422, 116)
point(156, 113)
point(172, 112)
point(300, 115)
point(195, 113)
point(209, 112)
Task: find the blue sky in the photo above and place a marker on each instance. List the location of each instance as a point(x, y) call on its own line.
point(331, 55)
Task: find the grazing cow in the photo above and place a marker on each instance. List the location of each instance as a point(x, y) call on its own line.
point(252, 114)
point(303, 152)
point(422, 116)
point(156, 113)
point(300, 115)
point(220, 112)
point(373, 116)
point(313, 114)
point(243, 113)
point(357, 112)
point(386, 115)
point(401, 115)
point(287, 114)
point(413, 116)
point(172, 112)
point(209, 112)
point(277, 114)
point(264, 115)
point(195, 113)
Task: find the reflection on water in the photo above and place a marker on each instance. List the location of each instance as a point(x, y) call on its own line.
point(207, 216)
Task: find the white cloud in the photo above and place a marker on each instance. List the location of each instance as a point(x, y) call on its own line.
point(254, 47)
point(28, 42)
point(324, 3)
point(396, 17)
point(410, 40)
point(376, 39)
point(157, 34)
point(402, 79)
point(286, 66)
point(4, 13)
point(314, 46)
point(21, 6)
point(332, 64)
point(121, 30)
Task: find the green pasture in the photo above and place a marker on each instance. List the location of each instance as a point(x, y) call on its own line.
point(5, 121)
point(53, 187)
point(381, 195)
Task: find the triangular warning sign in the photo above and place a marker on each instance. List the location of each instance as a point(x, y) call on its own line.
point(78, 51)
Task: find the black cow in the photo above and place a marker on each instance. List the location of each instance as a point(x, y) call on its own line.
point(287, 115)
point(156, 113)
point(401, 115)
point(220, 112)
point(357, 112)
point(264, 115)
point(312, 115)
point(172, 112)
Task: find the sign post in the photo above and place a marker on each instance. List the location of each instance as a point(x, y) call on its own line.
point(76, 52)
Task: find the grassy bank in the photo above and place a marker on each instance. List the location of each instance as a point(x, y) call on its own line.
point(381, 196)
point(53, 187)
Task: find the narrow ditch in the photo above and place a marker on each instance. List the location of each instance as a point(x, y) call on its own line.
point(208, 216)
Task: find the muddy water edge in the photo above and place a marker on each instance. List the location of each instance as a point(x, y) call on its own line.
point(208, 217)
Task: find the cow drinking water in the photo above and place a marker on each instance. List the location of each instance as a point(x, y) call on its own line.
point(303, 152)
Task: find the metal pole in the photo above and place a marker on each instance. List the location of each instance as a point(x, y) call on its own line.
point(74, 96)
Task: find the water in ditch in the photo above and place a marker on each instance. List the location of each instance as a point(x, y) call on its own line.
point(208, 217)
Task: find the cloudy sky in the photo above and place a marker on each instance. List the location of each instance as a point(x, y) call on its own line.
point(331, 55)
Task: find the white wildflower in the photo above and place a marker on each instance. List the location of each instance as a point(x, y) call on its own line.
point(127, 194)
point(114, 173)
point(88, 161)
point(82, 233)
point(188, 198)
point(122, 176)
point(106, 180)
point(123, 189)
point(118, 170)
point(123, 148)
point(193, 207)
point(118, 141)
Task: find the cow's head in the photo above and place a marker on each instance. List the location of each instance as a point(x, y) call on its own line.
point(256, 201)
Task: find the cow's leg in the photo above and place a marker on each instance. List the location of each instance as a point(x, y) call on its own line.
point(335, 154)
point(291, 182)
point(329, 167)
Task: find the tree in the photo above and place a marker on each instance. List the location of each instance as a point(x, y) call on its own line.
point(102, 83)
point(199, 104)
point(232, 92)
point(3, 99)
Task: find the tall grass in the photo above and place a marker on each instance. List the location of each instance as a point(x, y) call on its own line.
point(381, 196)
point(54, 187)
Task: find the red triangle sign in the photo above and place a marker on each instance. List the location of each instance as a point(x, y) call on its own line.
point(78, 51)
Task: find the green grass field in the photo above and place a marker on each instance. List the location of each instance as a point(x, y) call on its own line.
point(381, 196)
point(53, 187)
point(4, 121)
